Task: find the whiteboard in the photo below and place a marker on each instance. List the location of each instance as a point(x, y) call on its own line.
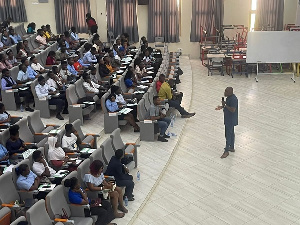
point(273, 47)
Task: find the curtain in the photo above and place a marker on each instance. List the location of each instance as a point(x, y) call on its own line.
point(122, 18)
point(269, 15)
point(163, 20)
point(69, 13)
point(208, 14)
point(15, 9)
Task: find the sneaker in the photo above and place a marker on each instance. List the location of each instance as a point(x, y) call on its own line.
point(188, 115)
point(162, 139)
point(29, 109)
point(58, 116)
point(166, 136)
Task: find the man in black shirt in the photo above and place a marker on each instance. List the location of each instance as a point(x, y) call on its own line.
point(230, 109)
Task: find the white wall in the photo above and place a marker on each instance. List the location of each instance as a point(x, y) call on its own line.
point(235, 12)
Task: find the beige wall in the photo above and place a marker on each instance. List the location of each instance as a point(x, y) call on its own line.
point(235, 12)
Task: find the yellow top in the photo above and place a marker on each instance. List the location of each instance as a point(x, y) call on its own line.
point(165, 91)
point(109, 67)
point(47, 35)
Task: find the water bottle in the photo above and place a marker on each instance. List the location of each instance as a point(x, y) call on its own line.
point(138, 175)
point(21, 108)
point(173, 135)
point(172, 121)
point(126, 201)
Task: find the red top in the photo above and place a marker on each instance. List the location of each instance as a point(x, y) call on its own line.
point(158, 85)
point(77, 66)
point(50, 60)
point(91, 22)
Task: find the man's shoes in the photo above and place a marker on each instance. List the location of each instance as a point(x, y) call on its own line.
point(29, 109)
point(231, 150)
point(166, 136)
point(162, 139)
point(58, 116)
point(188, 115)
point(225, 154)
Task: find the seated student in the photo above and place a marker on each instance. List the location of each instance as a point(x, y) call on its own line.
point(4, 64)
point(72, 70)
point(120, 172)
point(165, 92)
point(90, 56)
point(15, 144)
point(161, 80)
point(26, 48)
point(48, 31)
point(103, 70)
point(54, 82)
point(27, 180)
point(98, 45)
point(31, 28)
point(74, 34)
point(72, 44)
point(6, 23)
point(6, 39)
point(141, 71)
point(107, 63)
point(1, 46)
point(22, 77)
point(112, 106)
point(11, 58)
point(65, 73)
point(7, 82)
point(95, 181)
point(114, 62)
point(90, 86)
point(147, 57)
point(30, 72)
point(45, 33)
point(93, 76)
point(61, 54)
point(129, 79)
point(4, 156)
point(59, 75)
point(124, 48)
point(56, 154)
point(40, 38)
point(145, 47)
point(5, 118)
point(14, 37)
point(115, 49)
point(36, 66)
point(71, 139)
point(78, 196)
point(143, 39)
point(51, 59)
point(21, 52)
point(155, 113)
point(44, 91)
point(40, 166)
point(79, 60)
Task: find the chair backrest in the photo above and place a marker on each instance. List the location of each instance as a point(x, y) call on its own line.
point(14, 72)
point(107, 150)
point(77, 126)
point(4, 136)
point(14, 49)
point(17, 221)
point(32, 86)
point(141, 110)
point(82, 169)
point(5, 215)
point(151, 94)
point(8, 191)
point(35, 123)
point(32, 41)
point(159, 39)
point(79, 88)
point(103, 99)
point(37, 214)
point(71, 95)
point(147, 102)
point(66, 190)
point(24, 131)
point(14, 174)
point(117, 141)
point(123, 85)
point(56, 201)
point(110, 34)
point(98, 155)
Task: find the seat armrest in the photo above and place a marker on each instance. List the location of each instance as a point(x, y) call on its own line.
point(95, 135)
point(45, 134)
point(128, 95)
point(7, 205)
point(78, 210)
point(28, 143)
point(60, 220)
point(52, 125)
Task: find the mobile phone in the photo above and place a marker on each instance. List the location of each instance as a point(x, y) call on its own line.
point(223, 99)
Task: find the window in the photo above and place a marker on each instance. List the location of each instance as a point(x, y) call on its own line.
point(253, 14)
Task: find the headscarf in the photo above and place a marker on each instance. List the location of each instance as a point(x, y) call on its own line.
point(55, 153)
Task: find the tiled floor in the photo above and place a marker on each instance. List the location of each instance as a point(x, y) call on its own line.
point(258, 184)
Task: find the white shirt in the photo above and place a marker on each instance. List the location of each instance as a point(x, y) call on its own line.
point(51, 83)
point(41, 39)
point(69, 142)
point(96, 181)
point(37, 67)
point(117, 57)
point(39, 168)
point(65, 73)
point(89, 58)
point(43, 91)
point(120, 98)
point(74, 36)
point(91, 88)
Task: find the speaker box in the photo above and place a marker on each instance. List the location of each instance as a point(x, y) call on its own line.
point(143, 2)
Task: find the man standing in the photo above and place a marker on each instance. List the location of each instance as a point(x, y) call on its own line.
point(230, 109)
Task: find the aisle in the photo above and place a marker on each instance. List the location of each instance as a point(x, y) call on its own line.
point(259, 183)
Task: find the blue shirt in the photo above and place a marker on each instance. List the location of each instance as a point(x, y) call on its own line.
point(74, 36)
point(31, 73)
point(3, 152)
point(231, 118)
point(115, 52)
point(74, 197)
point(89, 58)
point(25, 183)
point(128, 83)
point(67, 44)
point(72, 70)
point(15, 38)
point(83, 64)
point(111, 106)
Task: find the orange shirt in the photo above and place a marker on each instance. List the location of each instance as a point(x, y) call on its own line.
point(110, 67)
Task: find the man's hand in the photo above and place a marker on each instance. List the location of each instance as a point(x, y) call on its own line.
point(219, 107)
point(223, 103)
